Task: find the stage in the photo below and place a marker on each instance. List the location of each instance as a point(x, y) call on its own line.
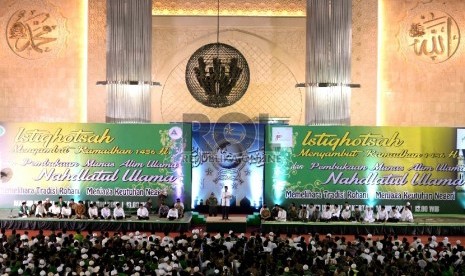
point(440, 225)
point(236, 223)
point(9, 220)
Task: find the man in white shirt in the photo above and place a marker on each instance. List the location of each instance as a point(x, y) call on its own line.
point(346, 213)
point(382, 215)
point(142, 212)
point(118, 212)
point(326, 214)
point(368, 215)
point(105, 213)
point(55, 210)
point(336, 213)
point(407, 215)
point(66, 211)
point(394, 215)
point(225, 202)
point(282, 214)
point(40, 210)
point(173, 213)
point(93, 211)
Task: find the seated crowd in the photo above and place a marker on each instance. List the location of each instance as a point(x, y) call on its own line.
point(205, 254)
point(81, 210)
point(335, 212)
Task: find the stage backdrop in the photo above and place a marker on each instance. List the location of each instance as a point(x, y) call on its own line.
point(366, 166)
point(228, 154)
point(109, 163)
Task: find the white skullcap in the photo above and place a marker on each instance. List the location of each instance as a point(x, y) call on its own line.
point(168, 268)
point(353, 266)
point(137, 268)
point(196, 269)
point(458, 242)
point(84, 256)
point(217, 271)
point(369, 236)
point(367, 250)
point(91, 262)
point(20, 271)
point(42, 273)
point(114, 272)
point(408, 204)
point(42, 261)
point(82, 263)
point(305, 267)
point(433, 238)
point(286, 269)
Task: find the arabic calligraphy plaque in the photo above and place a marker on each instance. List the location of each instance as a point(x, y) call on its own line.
point(34, 30)
point(430, 36)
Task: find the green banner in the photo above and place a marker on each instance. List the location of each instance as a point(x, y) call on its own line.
point(366, 166)
point(104, 163)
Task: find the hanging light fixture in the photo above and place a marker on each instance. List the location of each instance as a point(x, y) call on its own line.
point(129, 61)
point(217, 74)
point(328, 62)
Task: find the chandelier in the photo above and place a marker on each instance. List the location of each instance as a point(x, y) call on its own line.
point(217, 74)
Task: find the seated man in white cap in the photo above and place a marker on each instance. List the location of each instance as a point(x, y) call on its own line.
point(368, 215)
